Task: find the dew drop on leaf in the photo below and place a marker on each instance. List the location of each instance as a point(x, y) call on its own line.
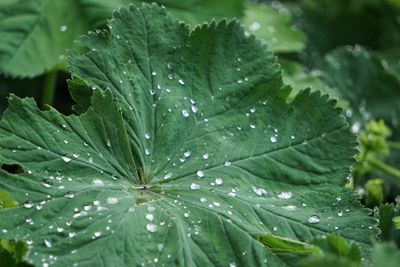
point(259, 191)
point(168, 175)
point(314, 219)
point(112, 200)
point(97, 182)
point(195, 186)
point(273, 139)
point(152, 228)
point(219, 181)
point(285, 195)
point(147, 136)
point(200, 173)
point(69, 195)
point(187, 154)
point(149, 217)
point(48, 243)
point(205, 156)
point(185, 113)
point(66, 159)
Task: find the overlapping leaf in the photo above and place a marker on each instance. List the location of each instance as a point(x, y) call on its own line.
point(273, 28)
point(187, 155)
point(36, 33)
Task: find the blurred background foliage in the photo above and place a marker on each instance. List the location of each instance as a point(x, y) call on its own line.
point(348, 49)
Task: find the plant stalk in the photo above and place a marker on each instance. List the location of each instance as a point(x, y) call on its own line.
point(393, 144)
point(384, 167)
point(49, 88)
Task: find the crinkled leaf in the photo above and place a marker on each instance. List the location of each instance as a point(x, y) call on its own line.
point(386, 213)
point(333, 23)
point(181, 159)
point(299, 78)
point(273, 28)
point(363, 80)
point(198, 11)
point(36, 33)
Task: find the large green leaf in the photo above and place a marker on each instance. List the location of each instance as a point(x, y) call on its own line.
point(36, 33)
point(273, 28)
point(371, 89)
point(187, 155)
point(199, 11)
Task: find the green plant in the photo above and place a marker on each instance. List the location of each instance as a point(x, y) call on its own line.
point(186, 144)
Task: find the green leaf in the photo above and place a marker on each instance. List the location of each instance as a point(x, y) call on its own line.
point(182, 159)
point(273, 28)
point(335, 252)
point(386, 254)
point(198, 11)
point(396, 221)
point(299, 78)
point(36, 33)
point(386, 212)
point(365, 83)
point(333, 23)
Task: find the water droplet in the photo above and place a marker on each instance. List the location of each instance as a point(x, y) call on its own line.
point(232, 264)
point(205, 156)
point(66, 141)
point(194, 108)
point(285, 195)
point(195, 186)
point(112, 200)
point(259, 191)
point(254, 26)
point(147, 136)
point(200, 173)
point(63, 28)
point(186, 214)
point(71, 234)
point(168, 175)
point(108, 143)
point(66, 159)
point(149, 217)
point(314, 219)
point(187, 154)
point(98, 182)
point(60, 229)
point(48, 243)
point(154, 73)
point(46, 183)
point(185, 113)
point(290, 208)
point(227, 163)
point(152, 228)
point(219, 181)
point(203, 199)
point(69, 195)
point(253, 109)
point(147, 151)
point(275, 228)
point(292, 137)
point(338, 199)
point(340, 213)
point(181, 82)
point(252, 126)
point(273, 139)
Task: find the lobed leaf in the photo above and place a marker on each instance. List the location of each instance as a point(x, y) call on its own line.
point(188, 153)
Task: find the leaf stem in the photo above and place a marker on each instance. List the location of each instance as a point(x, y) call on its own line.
point(49, 88)
point(394, 144)
point(384, 167)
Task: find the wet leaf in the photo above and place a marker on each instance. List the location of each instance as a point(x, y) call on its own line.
point(188, 147)
point(273, 28)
